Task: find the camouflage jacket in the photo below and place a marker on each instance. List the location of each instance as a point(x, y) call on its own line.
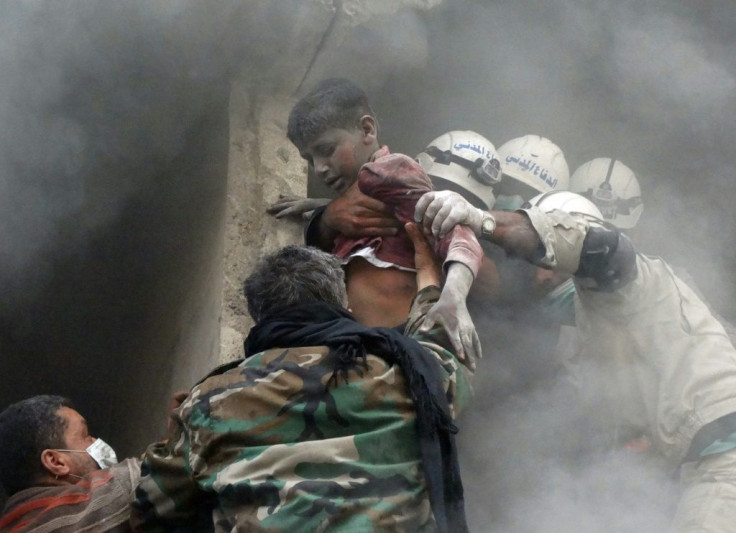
point(267, 445)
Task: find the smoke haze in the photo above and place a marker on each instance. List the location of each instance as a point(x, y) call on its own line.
point(651, 85)
point(100, 100)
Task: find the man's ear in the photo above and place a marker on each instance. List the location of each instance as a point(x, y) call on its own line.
point(369, 127)
point(56, 463)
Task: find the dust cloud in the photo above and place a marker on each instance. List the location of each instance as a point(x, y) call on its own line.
point(649, 84)
point(97, 97)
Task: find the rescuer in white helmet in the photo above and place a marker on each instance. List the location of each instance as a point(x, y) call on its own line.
point(567, 201)
point(531, 164)
point(467, 163)
point(657, 364)
point(464, 162)
point(613, 187)
point(556, 289)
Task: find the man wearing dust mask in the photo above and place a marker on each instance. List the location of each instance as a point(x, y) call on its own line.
point(57, 476)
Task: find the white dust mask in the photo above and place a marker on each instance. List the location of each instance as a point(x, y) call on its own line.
point(100, 451)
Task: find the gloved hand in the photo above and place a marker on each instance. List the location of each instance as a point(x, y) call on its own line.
point(440, 211)
point(295, 206)
point(356, 215)
point(451, 312)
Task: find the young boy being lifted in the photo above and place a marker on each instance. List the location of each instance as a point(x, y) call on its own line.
point(336, 131)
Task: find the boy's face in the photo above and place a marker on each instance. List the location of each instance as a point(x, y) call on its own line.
point(337, 155)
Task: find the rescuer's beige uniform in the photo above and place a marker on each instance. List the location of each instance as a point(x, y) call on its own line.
point(655, 359)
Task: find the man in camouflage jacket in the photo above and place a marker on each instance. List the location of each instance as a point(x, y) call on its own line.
point(316, 437)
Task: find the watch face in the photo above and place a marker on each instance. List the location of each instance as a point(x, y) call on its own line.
point(488, 225)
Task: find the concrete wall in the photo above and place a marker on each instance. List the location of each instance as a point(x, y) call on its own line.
point(262, 164)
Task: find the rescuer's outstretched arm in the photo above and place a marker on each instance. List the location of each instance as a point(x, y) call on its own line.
point(440, 211)
point(597, 253)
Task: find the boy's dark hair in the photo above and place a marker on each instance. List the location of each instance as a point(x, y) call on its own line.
point(333, 103)
point(27, 428)
point(294, 275)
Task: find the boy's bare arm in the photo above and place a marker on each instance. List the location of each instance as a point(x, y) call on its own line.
point(429, 271)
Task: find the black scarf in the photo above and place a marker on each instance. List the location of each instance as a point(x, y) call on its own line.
point(321, 324)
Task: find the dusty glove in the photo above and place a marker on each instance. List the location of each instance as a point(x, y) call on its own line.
point(451, 312)
point(440, 211)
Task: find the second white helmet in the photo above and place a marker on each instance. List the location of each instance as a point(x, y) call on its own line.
point(464, 162)
point(535, 162)
point(613, 187)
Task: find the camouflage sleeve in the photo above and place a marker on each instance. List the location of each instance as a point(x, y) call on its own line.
point(456, 376)
point(167, 494)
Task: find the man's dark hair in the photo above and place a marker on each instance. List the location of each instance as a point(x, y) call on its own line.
point(27, 428)
point(294, 275)
point(334, 103)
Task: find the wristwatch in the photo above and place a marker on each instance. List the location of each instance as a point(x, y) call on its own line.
point(487, 225)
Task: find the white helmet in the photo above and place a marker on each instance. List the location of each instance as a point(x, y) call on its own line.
point(536, 163)
point(613, 187)
point(566, 201)
point(464, 162)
